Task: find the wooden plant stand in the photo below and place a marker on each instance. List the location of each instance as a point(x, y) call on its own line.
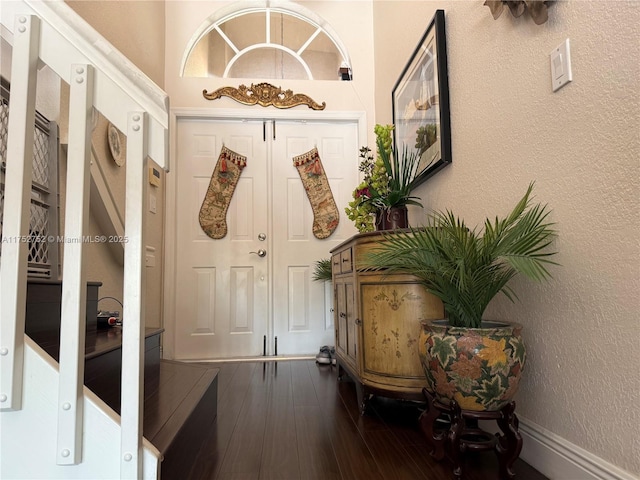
point(451, 431)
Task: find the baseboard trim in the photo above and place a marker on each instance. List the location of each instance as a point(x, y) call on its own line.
point(560, 459)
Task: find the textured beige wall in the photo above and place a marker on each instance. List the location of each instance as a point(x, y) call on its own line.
point(582, 147)
point(136, 28)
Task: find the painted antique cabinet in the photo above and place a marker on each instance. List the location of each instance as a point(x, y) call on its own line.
point(377, 321)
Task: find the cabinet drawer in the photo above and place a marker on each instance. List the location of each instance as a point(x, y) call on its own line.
point(346, 261)
point(335, 264)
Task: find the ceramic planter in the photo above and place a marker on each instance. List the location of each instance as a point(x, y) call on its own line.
point(479, 368)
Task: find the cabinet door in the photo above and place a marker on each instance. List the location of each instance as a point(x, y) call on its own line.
point(352, 331)
point(392, 308)
point(345, 320)
point(340, 321)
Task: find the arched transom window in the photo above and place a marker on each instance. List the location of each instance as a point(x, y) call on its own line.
point(266, 42)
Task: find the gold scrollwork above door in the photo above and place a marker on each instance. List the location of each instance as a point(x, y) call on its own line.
point(264, 94)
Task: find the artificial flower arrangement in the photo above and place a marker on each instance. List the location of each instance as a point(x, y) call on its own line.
point(387, 181)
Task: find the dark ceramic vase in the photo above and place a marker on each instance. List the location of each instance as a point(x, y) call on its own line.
point(392, 218)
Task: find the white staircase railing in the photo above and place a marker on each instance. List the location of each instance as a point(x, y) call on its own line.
point(100, 77)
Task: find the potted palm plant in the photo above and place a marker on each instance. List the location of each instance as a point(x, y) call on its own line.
point(476, 362)
point(380, 201)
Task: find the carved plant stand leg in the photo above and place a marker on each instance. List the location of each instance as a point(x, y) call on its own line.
point(454, 438)
point(509, 444)
point(464, 434)
point(427, 423)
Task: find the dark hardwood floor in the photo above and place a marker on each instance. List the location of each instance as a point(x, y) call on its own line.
point(291, 420)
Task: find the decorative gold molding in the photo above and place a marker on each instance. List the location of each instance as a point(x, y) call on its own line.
point(264, 94)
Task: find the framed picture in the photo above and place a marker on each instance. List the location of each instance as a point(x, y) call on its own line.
point(420, 101)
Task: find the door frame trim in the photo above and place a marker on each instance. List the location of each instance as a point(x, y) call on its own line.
point(169, 313)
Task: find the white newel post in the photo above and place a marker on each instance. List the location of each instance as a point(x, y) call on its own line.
point(74, 283)
point(132, 400)
point(15, 222)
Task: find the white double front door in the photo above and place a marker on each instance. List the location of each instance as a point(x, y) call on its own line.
point(239, 295)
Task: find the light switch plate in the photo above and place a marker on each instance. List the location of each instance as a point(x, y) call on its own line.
point(153, 203)
point(150, 256)
point(560, 65)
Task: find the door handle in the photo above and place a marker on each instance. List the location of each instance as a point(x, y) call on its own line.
point(261, 253)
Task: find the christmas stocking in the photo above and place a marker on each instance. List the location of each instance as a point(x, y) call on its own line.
point(325, 211)
point(213, 213)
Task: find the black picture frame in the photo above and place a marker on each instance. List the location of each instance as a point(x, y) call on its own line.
point(420, 102)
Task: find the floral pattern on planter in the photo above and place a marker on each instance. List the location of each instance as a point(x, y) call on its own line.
point(479, 368)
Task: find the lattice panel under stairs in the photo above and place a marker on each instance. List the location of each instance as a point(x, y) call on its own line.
point(39, 224)
point(39, 243)
point(4, 124)
point(41, 158)
point(1, 203)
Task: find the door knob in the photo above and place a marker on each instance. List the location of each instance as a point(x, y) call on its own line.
point(260, 253)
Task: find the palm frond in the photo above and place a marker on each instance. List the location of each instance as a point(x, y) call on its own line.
point(322, 270)
point(465, 268)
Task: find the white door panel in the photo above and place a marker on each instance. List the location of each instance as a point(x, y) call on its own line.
point(228, 299)
point(299, 315)
point(222, 289)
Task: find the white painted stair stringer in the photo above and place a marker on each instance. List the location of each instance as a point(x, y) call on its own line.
point(28, 436)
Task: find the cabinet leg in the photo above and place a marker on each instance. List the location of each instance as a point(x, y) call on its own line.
point(363, 397)
point(341, 372)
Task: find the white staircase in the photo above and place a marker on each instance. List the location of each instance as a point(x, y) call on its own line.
point(28, 435)
point(51, 426)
